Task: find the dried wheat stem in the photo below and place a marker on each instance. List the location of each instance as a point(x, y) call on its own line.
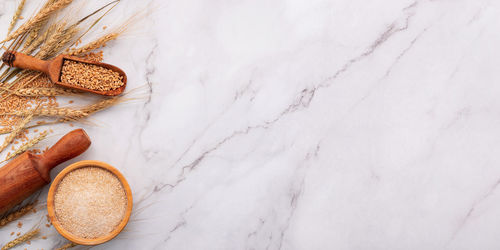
point(100, 42)
point(32, 35)
point(34, 76)
point(52, 40)
point(93, 108)
point(37, 42)
point(27, 145)
point(16, 131)
point(38, 124)
point(34, 92)
point(98, 106)
point(16, 16)
point(24, 75)
point(58, 40)
point(22, 239)
point(69, 245)
point(17, 214)
point(5, 130)
point(35, 29)
point(51, 112)
point(39, 17)
point(65, 39)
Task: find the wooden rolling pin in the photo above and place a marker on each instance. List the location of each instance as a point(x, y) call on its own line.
point(28, 173)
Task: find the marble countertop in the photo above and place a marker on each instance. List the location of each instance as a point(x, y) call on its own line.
point(344, 124)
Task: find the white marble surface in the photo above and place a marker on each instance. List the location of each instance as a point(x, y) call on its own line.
point(341, 124)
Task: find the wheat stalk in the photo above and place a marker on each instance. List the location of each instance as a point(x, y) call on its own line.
point(25, 74)
point(58, 40)
point(5, 130)
point(98, 106)
point(67, 246)
point(32, 35)
point(27, 145)
point(17, 214)
point(52, 40)
point(35, 29)
point(51, 112)
point(16, 16)
point(16, 131)
point(38, 41)
point(92, 108)
point(98, 43)
point(35, 92)
point(38, 124)
point(39, 17)
point(68, 36)
point(22, 239)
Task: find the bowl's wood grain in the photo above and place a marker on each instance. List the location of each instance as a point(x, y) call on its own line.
point(72, 237)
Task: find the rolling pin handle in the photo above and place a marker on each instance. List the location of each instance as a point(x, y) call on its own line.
point(69, 146)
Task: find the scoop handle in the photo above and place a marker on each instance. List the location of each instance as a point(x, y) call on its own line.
point(69, 146)
point(20, 60)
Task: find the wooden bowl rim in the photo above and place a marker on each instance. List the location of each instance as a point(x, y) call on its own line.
point(71, 237)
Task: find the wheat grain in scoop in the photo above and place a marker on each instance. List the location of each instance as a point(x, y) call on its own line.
point(73, 72)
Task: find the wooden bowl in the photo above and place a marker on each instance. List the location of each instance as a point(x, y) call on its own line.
point(52, 215)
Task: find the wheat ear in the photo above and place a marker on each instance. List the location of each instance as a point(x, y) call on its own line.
point(34, 92)
point(66, 38)
point(34, 76)
point(39, 17)
point(52, 40)
point(32, 35)
point(60, 38)
point(51, 112)
point(16, 131)
point(16, 16)
point(17, 214)
point(22, 239)
point(5, 130)
point(27, 145)
point(35, 29)
point(37, 124)
point(98, 43)
point(38, 41)
point(98, 106)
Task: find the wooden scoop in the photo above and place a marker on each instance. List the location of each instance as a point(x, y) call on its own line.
point(53, 69)
point(28, 173)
